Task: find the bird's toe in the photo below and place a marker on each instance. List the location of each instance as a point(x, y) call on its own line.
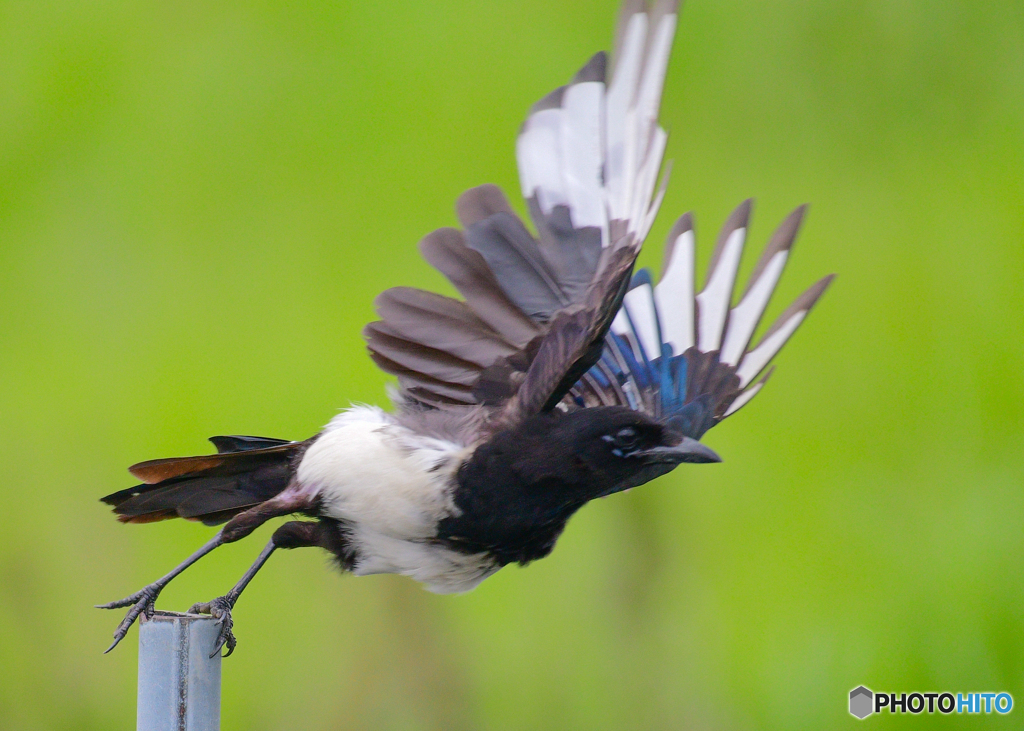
point(219, 609)
point(143, 601)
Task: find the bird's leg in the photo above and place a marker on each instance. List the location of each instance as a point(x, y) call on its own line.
point(295, 534)
point(145, 599)
point(220, 608)
point(238, 527)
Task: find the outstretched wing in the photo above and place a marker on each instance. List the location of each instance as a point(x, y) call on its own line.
point(688, 358)
point(536, 310)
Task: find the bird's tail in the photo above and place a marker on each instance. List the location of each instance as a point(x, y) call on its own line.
point(213, 488)
point(689, 358)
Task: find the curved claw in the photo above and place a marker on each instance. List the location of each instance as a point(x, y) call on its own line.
point(226, 637)
point(130, 599)
point(140, 601)
point(219, 609)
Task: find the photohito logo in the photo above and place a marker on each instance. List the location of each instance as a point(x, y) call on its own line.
point(864, 702)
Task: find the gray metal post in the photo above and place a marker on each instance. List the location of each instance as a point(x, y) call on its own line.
point(179, 683)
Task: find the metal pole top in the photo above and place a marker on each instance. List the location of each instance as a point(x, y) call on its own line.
point(179, 683)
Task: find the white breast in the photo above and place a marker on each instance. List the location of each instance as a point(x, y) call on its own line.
point(391, 486)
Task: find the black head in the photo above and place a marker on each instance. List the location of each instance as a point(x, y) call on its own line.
point(517, 490)
point(622, 448)
point(604, 450)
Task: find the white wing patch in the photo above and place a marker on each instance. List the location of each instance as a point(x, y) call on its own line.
point(639, 304)
point(581, 142)
point(620, 97)
point(744, 317)
point(599, 150)
point(538, 153)
point(674, 294)
point(649, 94)
point(755, 360)
point(745, 397)
point(714, 300)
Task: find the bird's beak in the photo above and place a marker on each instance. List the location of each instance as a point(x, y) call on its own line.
point(688, 450)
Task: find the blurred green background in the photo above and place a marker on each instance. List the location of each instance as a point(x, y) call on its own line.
point(199, 200)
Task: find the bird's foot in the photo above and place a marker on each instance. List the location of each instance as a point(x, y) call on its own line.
point(141, 601)
point(220, 609)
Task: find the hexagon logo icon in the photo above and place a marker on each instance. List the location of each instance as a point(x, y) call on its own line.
point(861, 702)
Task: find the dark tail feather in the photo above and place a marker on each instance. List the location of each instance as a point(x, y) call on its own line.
point(212, 488)
point(226, 445)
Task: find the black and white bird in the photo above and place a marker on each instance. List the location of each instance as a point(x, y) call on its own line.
point(560, 377)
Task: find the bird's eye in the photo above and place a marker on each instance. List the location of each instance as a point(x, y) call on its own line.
point(626, 438)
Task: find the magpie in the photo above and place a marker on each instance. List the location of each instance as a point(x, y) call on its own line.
point(560, 376)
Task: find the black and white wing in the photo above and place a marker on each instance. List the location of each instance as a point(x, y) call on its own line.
point(536, 310)
point(687, 357)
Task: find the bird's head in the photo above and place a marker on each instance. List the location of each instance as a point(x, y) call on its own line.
point(605, 450)
point(517, 490)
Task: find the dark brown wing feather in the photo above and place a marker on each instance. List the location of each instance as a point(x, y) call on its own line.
point(574, 341)
point(486, 350)
point(210, 488)
point(442, 322)
point(446, 250)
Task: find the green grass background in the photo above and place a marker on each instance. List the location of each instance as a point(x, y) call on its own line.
point(199, 200)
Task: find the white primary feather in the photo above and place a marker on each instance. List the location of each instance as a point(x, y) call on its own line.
point(646, 177)
point(649, 94)
point(744, 317)
point(620, 325)
point(538, 153)
point(757, 358)
point(639, 302)
point(581, 142)
point(652, 210)
point(674, 295)
point(599, 153)
point(714, 300)
point(631, 162)
point(621, 94)
point(743, 398)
